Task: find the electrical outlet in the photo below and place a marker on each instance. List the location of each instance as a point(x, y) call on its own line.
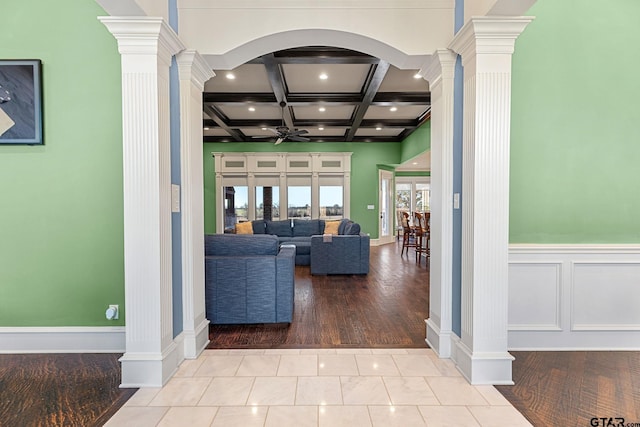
point(112, 312)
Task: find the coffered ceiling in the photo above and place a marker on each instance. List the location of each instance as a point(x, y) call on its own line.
point(335, 95)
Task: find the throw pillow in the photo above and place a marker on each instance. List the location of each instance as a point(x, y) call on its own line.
point(343, 224)
point(331, 227)
point(352, 229)
point(244, 228)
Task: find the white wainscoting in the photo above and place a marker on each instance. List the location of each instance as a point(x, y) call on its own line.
point(62, 339)
point(574, 297)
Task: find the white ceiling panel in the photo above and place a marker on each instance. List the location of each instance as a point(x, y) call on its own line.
point(397, 80)
point(341, 78)
point(248, 78)
point(381, 132)
point(334, 112)
point(241, 112)
point(376, 112)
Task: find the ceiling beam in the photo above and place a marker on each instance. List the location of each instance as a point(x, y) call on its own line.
point(277, 84)
point(369, 93)
point(300, 99)
point(239, 97)
point(369, 123)
point(219, 118)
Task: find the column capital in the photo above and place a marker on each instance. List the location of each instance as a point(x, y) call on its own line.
point(192, 66)
point(143, 36)
point(489, 35)
point(442, 64)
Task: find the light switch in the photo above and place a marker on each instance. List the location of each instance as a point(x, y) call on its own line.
point(371, 207)
point(456, 200)
point(175, 198)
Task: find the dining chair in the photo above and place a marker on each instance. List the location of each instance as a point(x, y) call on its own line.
point(408, 234)
point(422, 234)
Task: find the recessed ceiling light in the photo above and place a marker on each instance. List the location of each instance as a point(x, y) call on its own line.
point(231, 76)
point(320, 128)
point(417, 76)
point(206, 128)
point(393, 109)
point(378, 128)
point(264, 128)
point(415, 163)
point(322, 109)
point(323, 76)
point(252, 108)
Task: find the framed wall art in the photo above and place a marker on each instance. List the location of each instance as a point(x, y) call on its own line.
point(21, 101)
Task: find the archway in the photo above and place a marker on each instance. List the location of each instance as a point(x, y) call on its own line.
point(147, 46)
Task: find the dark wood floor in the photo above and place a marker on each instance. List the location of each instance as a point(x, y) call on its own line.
point(60, 389)
point(571, 388)
point(385, 308)
point(551, 388)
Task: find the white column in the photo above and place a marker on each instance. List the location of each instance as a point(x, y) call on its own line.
point(194, 72)
point(486, 45)
point(146, 46)
point(440, 75)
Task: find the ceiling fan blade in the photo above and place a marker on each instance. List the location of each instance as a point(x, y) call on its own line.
point(299, 132)
point(278, 141)
point(298, 138)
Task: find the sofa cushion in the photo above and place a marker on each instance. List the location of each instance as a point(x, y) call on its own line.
point(259, 227)
point(352, 229)
point(244, 228)
point(306, 227)
point(279, 228)
point(331, 227)
point(240, 244)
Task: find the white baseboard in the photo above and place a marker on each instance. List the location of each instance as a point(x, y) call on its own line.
point(67, 339)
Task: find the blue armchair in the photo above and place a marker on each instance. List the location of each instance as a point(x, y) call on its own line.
point(248, 279)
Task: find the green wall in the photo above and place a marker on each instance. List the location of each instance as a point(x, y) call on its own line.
point(574, 146)
point(364, 173)
point(416, 143)
point(61, 238)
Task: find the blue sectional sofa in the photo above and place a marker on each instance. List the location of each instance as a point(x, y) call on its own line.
point(341, 254)
point(346, 252)
point(248, 279)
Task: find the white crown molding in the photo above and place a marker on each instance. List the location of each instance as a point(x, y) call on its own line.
point(489, 34)
point(194, 67)
point(441, 59)
point(143, 35)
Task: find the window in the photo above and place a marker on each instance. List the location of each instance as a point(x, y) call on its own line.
point(422, 197)
point(412, 194)
point(236, 206)
point(281, 186)
point(331, 202)
point(299, 201)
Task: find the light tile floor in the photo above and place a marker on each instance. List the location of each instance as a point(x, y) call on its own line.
point(326, 387)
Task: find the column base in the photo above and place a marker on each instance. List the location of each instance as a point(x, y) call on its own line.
point(438, 340)
point(149, 369)
point(483, 368)
point(196, 341)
